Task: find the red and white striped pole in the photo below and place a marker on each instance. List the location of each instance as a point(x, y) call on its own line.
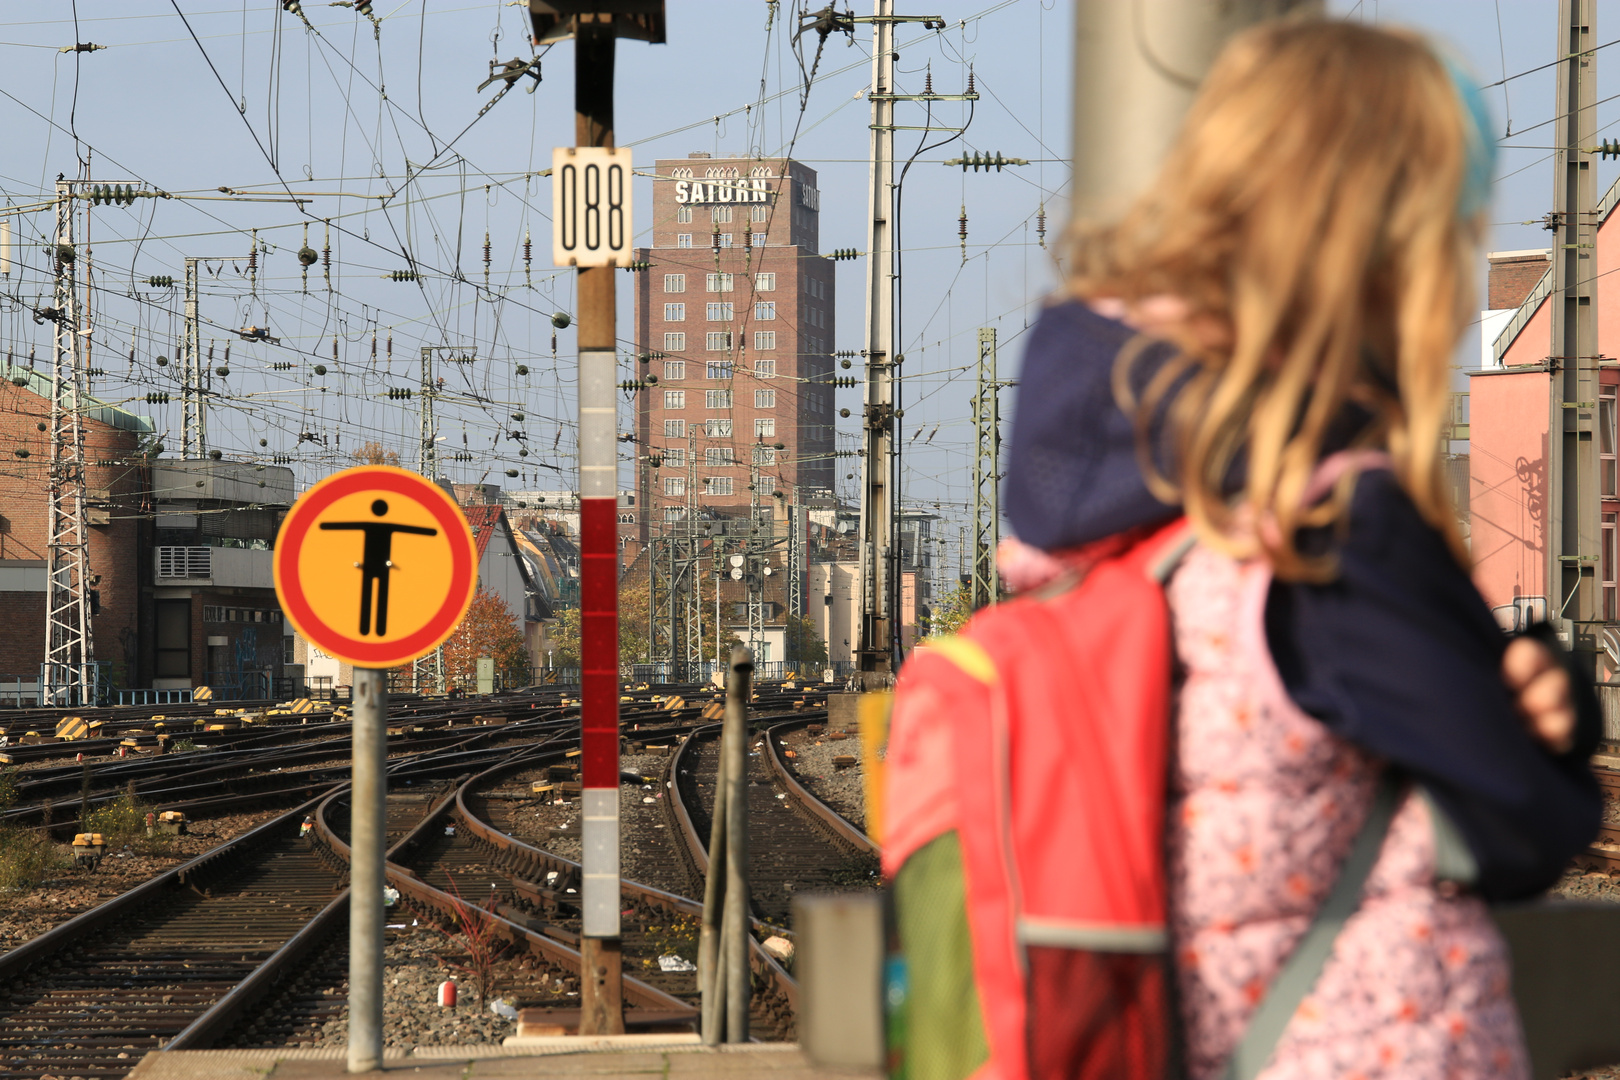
point(601, 992)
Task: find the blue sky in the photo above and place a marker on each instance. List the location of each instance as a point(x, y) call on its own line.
point(242, 96)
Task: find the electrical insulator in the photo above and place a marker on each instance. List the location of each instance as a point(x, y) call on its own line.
point(281, 459)
point(161, 281)
point(523, 453)
point(398, 393)
point(845, 383)
point(326, 256)
point(1040, 225)
point(292, 7)
point(512, 473)
point(157, 399)
point(561, 321)
point(523, 369)
point(253, 257)
point(518, 417)
point(844, 413)
point(222, 371)
point(402, 275)
point(390, 354)
point(1609, 148)
point(638, 267)
point(95, 372)
point(334, 348)
point(928, 83)
point(162, 361)
point(374, 346)
point(717, 241)
point(320, 369)
point(227, 352)
point(282, 365)
point(971, 92)
point(486, 254)
point(961, 232)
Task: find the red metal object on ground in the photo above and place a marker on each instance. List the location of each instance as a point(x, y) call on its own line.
point(447, 994)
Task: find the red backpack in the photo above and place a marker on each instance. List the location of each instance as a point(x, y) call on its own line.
point(1023, 823)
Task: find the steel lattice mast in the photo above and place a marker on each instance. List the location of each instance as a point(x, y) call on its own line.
point(68, 674)
point(986, 473)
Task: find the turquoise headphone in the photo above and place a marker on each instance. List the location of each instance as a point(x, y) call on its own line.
point(1480, 166)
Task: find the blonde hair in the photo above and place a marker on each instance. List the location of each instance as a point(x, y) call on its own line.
point(1308, 213)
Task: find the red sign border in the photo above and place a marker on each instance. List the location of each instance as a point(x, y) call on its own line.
point(303, 516)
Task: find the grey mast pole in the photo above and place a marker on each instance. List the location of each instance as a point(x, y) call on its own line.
point(368, 838)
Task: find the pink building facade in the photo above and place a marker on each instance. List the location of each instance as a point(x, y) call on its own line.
point(1510, 409)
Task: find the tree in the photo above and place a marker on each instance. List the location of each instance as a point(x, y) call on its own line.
point(804, 644)
point(489, 629)
point(374, 453)
point(634, 647)
point(950, 613)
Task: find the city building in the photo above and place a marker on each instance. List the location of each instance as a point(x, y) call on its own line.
point(734, 330)
point(1510, 403)
point(116, 490)
point(209, 615)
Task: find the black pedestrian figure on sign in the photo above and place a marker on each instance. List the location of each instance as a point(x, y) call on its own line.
point(377, 561)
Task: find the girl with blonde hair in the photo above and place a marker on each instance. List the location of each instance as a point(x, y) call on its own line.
point(1263, 342)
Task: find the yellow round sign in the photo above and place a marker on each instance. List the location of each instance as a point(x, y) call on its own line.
point(375, 566)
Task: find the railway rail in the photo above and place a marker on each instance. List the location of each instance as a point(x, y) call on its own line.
point(243, 945)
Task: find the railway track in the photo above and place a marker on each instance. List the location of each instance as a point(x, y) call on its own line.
point(795, 842)
point(246, 945)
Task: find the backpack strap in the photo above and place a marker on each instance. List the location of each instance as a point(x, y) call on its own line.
point(1302, 968)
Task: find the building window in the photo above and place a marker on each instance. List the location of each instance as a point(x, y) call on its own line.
point(721, 312)
point(717, 485)
point(765, 427)
point(717, 399)
point(1607, 440)
point(764, 399)
point(674, 282)
point(718, 282)
point(717, 429)
point(715, 457)
point(758, 239)
point(725, 239)
point(721, 215)
point(1608, 567)
point(674, 513)
point(764, 455)
point(173, 640)
point(718, 341)
point(674, 370)
point(683, 215)
point(674, 429)
point(674, 485)
point(675, 457)
point(683, 239)
point(765, 282)
point(759, 213)
point(765, 310)
point(674, 312)
point(718, 369)
point(675, 341)
point(766, 368)
point(674, 399)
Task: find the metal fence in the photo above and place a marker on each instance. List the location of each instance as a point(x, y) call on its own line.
point(15, 690)
point(153, 697)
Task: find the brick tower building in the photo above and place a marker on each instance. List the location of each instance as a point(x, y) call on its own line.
point(735, 319)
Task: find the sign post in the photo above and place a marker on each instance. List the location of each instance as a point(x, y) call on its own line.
point(375, 566)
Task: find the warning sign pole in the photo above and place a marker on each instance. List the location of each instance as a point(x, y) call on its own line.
point(601, 996)
point(367, 838)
